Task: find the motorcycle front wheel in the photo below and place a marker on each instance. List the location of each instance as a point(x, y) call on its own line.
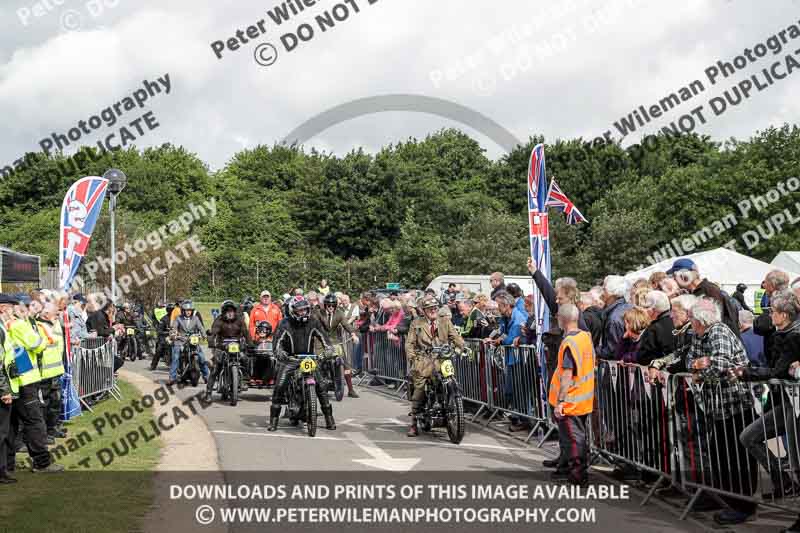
point(222, 384)
point(194, 373)
point(234, 385)
point(310, 400)
point(455, 417)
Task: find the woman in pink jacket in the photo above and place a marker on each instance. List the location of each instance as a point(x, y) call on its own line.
point(394, 320)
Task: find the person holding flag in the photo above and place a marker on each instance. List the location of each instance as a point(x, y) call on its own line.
point(547, 301)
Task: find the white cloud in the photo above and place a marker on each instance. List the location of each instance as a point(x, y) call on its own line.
point(605, 61)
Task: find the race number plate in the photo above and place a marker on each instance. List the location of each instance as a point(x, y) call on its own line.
point(447, 369)
point(233, 347)
point(131, 331)
point(308, 365)
point(194, 339)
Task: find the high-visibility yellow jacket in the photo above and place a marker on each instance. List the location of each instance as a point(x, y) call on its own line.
point(6, 358)
point(26, 342)
point(52, 360)
point(580, 395)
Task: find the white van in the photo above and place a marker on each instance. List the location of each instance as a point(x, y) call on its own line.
point(478, 284)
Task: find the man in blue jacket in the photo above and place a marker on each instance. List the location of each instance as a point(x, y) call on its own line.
point(511, 331)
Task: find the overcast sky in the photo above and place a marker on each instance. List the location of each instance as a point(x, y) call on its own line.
point(606, 58)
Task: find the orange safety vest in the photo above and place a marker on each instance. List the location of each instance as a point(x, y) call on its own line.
point(580, 395)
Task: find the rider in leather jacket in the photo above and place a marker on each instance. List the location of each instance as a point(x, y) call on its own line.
point(333, 320)
point(296, 335)
point(228, 325)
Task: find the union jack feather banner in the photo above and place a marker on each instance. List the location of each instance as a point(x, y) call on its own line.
point(79, 214)
point(539, 235)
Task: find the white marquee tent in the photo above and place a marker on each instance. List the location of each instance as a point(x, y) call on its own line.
point(789, 261)
point(722, 266)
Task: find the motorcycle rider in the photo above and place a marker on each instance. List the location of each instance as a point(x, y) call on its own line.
point(126, 319)
point(332, 319)
point(159, 311)
point(228, 325)
point(295, 336)
point(425, 332)
point(162, 346)
point(185, 325)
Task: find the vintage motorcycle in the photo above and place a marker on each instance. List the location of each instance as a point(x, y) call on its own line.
point(189, 362)
point(444, 405)
point(230, 376)
point(301, 393)
point(128, 345)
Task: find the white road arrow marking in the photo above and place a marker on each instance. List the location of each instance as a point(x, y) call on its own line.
point(380, 459)
point(352, 422)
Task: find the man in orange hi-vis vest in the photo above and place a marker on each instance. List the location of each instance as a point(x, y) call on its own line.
point(572, 396)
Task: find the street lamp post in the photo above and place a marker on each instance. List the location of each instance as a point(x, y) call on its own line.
point(117, 181)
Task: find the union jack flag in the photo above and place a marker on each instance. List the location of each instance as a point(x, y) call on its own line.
point(539, 234)
point(557, 199)
point(79, 214)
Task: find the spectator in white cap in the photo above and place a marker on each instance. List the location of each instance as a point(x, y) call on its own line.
point(614, 289)
point(264, 310)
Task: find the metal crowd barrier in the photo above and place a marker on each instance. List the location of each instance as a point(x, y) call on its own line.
point(632, 422)
point(93, 369)
point(386, 358)
point(726, 440)
point(517, 380)
point(737, 438)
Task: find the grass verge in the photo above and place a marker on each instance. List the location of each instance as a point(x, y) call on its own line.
point(114, 498)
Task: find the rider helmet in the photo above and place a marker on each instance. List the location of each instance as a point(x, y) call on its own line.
point(227, 305)
point(331, 301)
point(187, 308)
point(299, 310)
point(741, 287)
point(264, 328)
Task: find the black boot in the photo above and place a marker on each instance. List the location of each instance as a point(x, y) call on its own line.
point(330, 423)
point(274, 416)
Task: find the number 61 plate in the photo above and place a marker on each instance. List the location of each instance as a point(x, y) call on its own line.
point(308, 365)
point(447, 369)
